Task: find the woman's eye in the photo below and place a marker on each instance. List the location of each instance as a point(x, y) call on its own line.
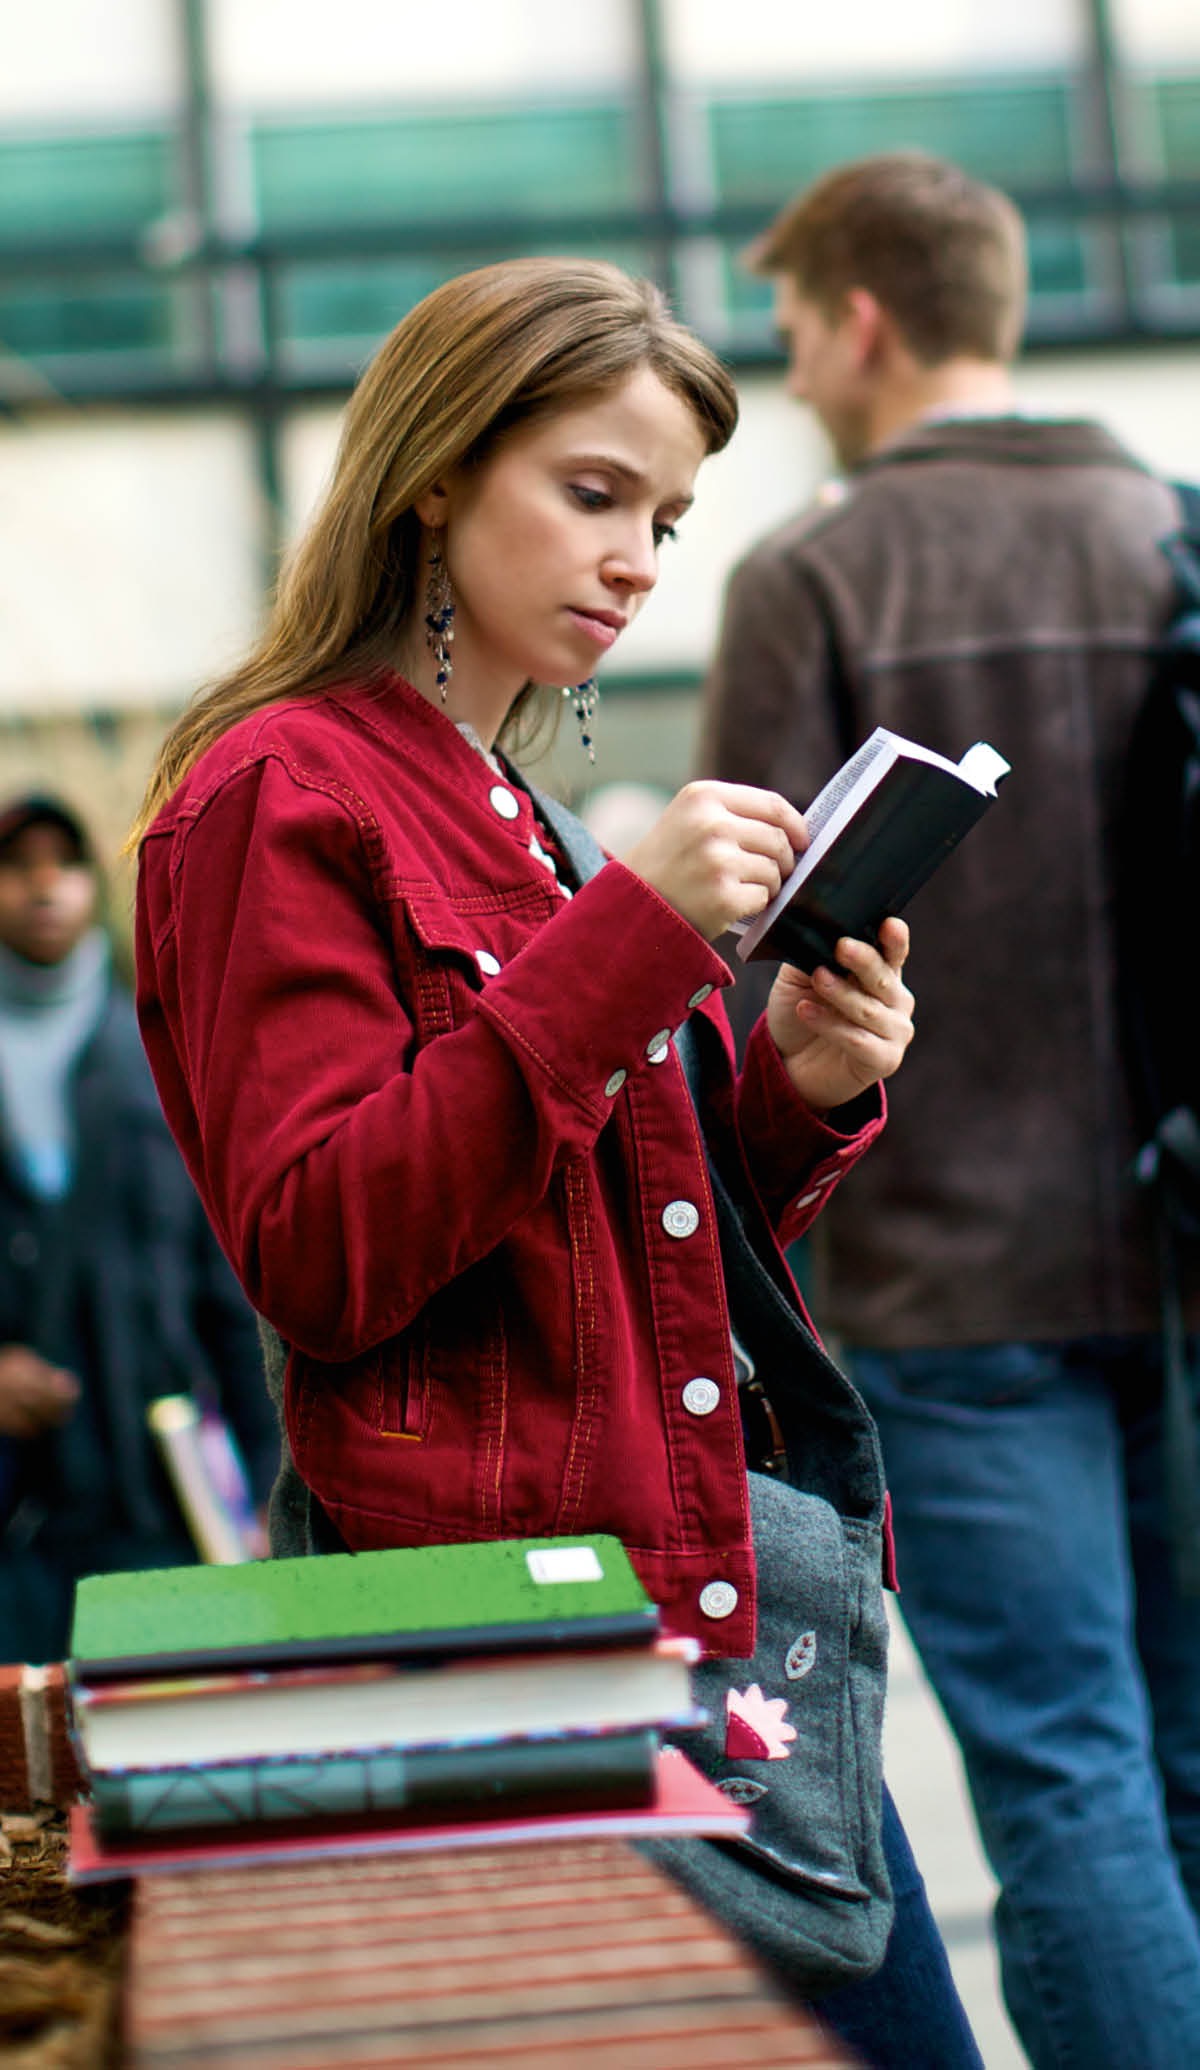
point(662, 532)
point(591, 499)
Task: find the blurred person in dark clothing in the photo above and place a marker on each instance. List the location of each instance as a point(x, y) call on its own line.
point(979, 572)
point(112, 1288)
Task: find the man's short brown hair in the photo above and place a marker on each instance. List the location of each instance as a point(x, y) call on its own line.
point(944, 254)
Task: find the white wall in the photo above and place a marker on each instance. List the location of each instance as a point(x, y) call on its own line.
point(796, 41)
point(287, 54)
point(129, 543)
point(74, 62)
point(128, 564)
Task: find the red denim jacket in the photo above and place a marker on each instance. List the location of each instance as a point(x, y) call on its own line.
point(434, 1114)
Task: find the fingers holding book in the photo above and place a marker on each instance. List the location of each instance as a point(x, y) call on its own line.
point(720, 852)
point(840, 1030)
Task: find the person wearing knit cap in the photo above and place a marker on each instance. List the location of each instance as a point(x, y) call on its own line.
point(112, 1288)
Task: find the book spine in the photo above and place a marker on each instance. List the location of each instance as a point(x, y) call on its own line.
point(37, 1763)
point(586, 1771)
point(217, 1533)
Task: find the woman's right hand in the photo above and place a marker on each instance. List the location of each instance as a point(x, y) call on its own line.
point(719, 853)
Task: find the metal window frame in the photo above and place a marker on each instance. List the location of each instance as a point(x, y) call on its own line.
point(212, 266)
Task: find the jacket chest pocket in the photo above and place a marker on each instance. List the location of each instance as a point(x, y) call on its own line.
point(454, 955)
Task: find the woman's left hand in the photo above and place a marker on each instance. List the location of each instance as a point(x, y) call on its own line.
point(838, 1035)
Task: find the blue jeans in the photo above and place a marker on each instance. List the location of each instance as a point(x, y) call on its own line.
point(908, 2016)
point(1027, 1481)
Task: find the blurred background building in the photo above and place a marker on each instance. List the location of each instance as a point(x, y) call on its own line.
point(211, 211)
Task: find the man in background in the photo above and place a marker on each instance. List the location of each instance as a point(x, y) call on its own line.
point(112, 1288)
point(980, 574)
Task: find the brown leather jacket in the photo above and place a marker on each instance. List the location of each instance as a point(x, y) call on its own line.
point(993, 579)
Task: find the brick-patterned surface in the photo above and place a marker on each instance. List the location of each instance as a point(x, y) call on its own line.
point(564, 1954)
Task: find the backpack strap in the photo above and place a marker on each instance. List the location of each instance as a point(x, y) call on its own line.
point(581, 848)
point(1172, 1158)
point(1182, 547)
point(1189, 501)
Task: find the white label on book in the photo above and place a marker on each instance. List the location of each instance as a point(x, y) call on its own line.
point(565, 1563)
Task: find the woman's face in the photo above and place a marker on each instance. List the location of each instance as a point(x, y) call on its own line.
point(553, 544)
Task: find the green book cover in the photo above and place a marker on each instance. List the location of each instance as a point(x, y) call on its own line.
point(410, 1602)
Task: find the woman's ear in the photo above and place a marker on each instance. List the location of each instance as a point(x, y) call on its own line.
point(433, 506)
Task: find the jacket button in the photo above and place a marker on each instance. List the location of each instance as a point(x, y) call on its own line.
point(680, 1218)
point(658, 1046)
point(488, 964)
point(700, 1397)
point(503, 802)
point(614, 1085)
point(719, 1599)
point(698, 998)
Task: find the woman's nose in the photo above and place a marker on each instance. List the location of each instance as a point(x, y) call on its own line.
point(635, 565)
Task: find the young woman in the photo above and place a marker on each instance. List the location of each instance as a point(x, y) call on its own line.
point(422, 1072)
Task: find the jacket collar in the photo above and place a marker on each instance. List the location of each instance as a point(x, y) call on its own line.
point(1014, 441)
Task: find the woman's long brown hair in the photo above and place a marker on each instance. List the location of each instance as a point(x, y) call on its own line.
point(486, 352)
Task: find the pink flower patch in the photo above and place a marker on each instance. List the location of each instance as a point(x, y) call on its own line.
point(756, 1727)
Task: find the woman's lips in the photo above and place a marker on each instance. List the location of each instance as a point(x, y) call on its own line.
point(603, 630)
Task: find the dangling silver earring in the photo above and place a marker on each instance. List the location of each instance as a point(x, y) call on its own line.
point(585, 697)
point(439, 619)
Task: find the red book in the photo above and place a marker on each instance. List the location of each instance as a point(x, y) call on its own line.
point(684, 1801)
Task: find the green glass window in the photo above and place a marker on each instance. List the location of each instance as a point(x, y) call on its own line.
point(334, 314)
point(1177, 109)
point(68, 188)
point(535, 161)
point(1177, 106)
point(1016, 133)
point(48, 320)
point(72, 187)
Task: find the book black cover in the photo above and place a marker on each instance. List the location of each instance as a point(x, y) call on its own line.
point(584, 1771)
point(882, 827)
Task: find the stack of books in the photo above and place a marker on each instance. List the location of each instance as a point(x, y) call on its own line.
point(435, 1695)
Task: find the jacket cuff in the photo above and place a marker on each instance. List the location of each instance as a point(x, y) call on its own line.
point(796, 1155)
point(634, 969)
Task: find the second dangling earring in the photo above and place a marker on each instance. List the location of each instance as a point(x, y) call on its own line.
point(439, 618)
point(585, 697)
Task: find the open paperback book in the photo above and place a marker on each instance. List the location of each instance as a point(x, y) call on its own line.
point(877, 831)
